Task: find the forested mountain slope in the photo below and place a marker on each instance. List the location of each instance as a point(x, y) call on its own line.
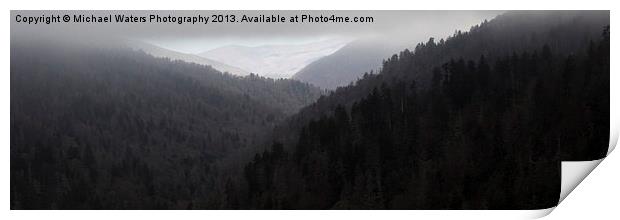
point(515, 32)
point(113, 128)
point(478, 121)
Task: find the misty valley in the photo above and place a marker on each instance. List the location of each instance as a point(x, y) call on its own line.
point(479, 119)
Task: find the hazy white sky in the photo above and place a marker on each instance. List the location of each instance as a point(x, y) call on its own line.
point(195, 38)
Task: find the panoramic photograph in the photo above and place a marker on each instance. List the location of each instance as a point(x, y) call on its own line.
point(304, 110)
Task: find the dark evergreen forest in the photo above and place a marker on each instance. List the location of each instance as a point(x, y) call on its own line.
point(95, 128)
point(479, 120)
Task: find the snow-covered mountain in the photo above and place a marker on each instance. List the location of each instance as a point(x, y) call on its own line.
point(275, 61)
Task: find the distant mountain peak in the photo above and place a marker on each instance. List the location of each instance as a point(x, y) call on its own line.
point(347, 64)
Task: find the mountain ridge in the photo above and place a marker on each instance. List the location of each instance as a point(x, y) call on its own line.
point(175, 55)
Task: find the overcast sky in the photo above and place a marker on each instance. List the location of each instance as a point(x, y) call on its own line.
point(195, 38)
